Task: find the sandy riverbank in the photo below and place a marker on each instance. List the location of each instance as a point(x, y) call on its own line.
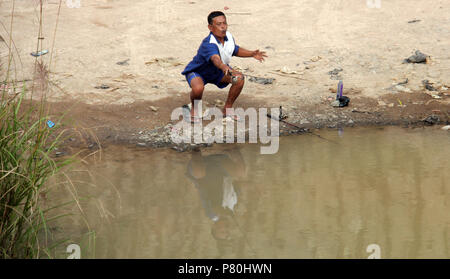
point(305, 41)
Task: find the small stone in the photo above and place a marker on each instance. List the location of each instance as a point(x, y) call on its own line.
point(351, 122)
point(381, 103)
point(219, 103)
point(304, 121)
point(155, 109)
point(321, 116)
point(335, 103)
point(402, 89)
point(59, 154)
point(391, 105)
point(431, 120)
point(435, 96)
point(446, 128)
point(141, 144)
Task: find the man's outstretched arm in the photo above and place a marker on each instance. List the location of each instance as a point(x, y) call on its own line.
point(258, 55)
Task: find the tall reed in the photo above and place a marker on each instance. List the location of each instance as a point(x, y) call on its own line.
point(27, 142)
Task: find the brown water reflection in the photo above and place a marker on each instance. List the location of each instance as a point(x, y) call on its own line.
point(313, 199)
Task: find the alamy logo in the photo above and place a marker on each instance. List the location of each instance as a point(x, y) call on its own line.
point(375, 251)
point(74, 250)
point(185, 132)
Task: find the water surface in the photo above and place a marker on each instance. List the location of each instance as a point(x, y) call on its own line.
point(313, 199)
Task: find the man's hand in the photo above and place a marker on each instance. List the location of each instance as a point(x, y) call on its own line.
point(226, 70)
point(259, 55)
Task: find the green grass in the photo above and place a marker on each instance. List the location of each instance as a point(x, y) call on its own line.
point(26, 164)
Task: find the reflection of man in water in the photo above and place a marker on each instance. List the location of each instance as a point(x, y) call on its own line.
point(213, 176)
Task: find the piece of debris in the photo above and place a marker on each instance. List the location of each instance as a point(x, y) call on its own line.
point(59, 154)
point(124, 62)
point(381, 103)
point(419, 57)
point(340, 89)
point(334, 74)
point(141, 144)
point(286, 70)
point(403, 82)
point(446, 128)
point(343, 101)
point(261, 80)
point(431, 120)
point(103, 86)
point(335, 103)
point(282, 115)
point(155, 109)
point(399, 83)
point(436, 96)
point(414, 21)
point(39, 53)
point(315, 58)
point(50, 124)
point(428, 85)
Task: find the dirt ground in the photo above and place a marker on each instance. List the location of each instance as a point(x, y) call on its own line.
point(136, 50)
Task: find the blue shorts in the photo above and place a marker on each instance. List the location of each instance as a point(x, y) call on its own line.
point(214, 80)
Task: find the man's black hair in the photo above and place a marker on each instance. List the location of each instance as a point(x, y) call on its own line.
point(213, 15)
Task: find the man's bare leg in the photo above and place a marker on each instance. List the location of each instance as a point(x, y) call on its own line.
point(196, 95)
point(235, 90)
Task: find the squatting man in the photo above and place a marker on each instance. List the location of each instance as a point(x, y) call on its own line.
point(211, 65)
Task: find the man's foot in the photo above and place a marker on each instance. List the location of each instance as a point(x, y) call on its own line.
point(188, 115)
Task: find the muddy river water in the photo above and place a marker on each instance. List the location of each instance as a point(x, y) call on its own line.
point(313, 199)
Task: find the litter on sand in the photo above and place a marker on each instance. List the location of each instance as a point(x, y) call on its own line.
point(341, 101)
point(50, 124)
point(103, 86)
point(261, 80)
point(124, 62)
point(39, 53)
